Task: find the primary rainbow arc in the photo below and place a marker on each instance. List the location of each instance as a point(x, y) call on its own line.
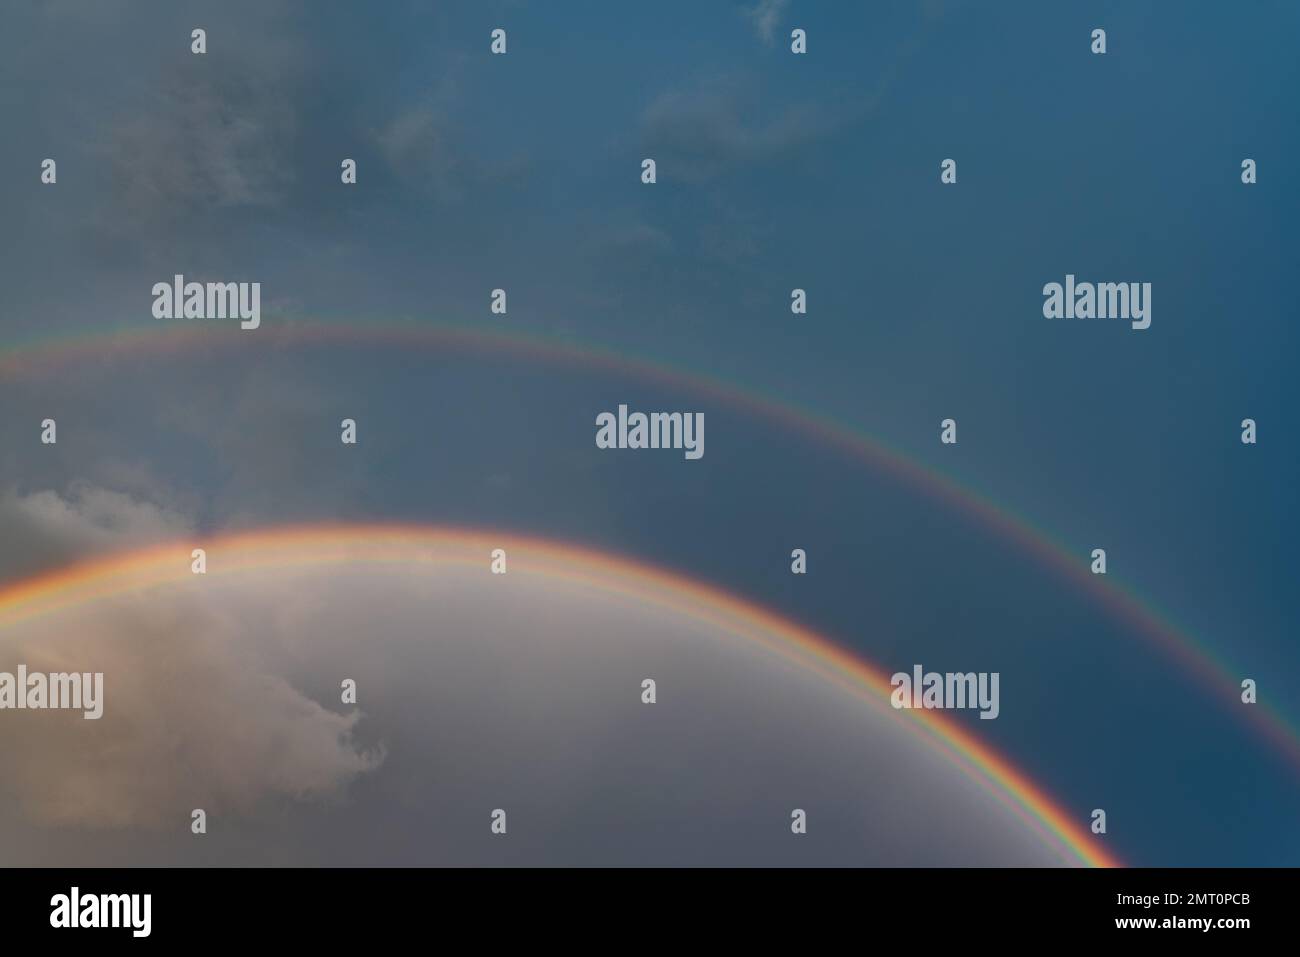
point(300, 546)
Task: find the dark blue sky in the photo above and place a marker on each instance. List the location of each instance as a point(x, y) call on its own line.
point(775, 171)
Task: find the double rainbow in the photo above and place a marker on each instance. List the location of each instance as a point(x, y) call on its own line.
point(1218, 677)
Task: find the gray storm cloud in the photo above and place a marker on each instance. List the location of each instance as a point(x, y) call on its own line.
point(45, 528)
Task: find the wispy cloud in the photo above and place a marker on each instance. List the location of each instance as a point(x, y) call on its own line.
point(697, 133)
point(764, 16)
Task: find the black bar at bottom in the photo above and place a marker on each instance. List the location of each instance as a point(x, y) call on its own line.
point(670, 907)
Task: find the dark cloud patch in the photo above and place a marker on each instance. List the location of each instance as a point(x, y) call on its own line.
point(44, 529)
